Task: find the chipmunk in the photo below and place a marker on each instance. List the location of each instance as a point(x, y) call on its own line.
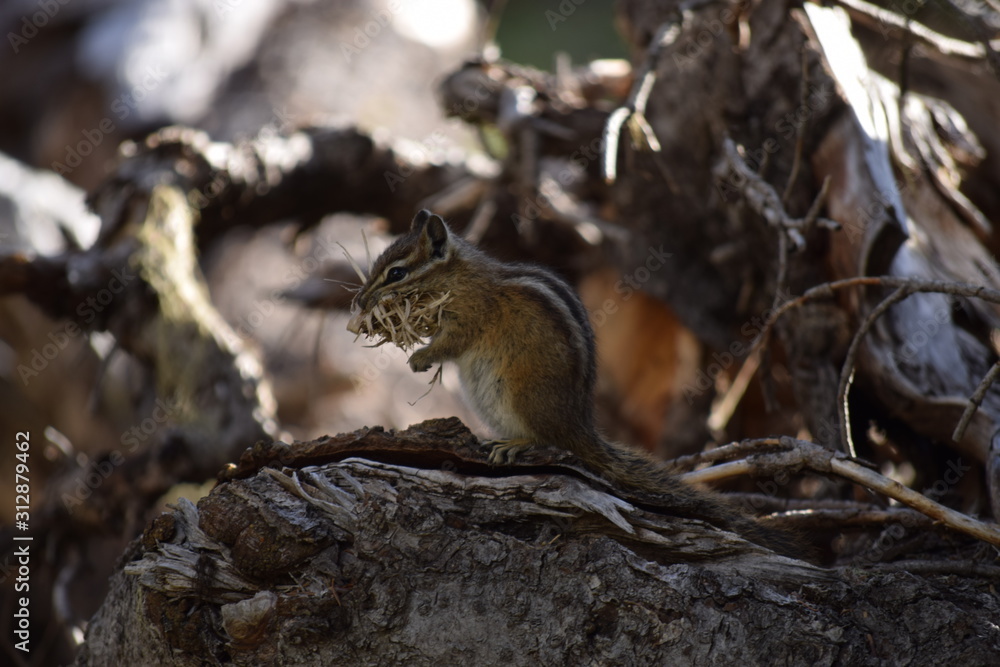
point(525, 352)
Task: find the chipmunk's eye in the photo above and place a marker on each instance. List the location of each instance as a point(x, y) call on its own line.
point(395, 274)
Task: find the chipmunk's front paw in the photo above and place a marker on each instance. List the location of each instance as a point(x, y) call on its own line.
point(420, 361)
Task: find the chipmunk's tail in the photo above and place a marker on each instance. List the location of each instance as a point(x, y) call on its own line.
point(636, 471)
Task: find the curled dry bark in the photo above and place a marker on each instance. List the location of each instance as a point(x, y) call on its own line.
point(329, 556)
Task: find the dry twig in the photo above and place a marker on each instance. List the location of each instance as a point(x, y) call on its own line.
point(730, 452)
point(634, 109)
point(764, 502)
point(800, 130)
point(975, 401)
point(847, 372)
point(814, 457)
point(840, 518)
point(765, 200)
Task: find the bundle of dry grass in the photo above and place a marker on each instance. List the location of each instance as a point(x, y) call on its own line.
point(403, 319)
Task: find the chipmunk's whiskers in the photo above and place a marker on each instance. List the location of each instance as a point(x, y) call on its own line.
point(354, 265)
point(351, 287)
point(368, 252)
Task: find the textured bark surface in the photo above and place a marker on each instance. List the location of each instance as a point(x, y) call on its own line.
point(374, 563)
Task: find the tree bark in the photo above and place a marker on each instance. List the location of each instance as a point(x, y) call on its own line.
point(371, 562)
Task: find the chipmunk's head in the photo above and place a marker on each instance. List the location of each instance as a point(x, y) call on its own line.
point(412, 262)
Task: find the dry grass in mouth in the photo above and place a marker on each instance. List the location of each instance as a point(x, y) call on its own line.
point(403, 319)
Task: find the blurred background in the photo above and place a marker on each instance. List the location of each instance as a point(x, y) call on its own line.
point(98, 72)
point(80, 77)
point(77, 83)
point(72, 69)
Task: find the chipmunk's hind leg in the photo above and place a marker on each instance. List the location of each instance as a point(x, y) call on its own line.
point(507, 449)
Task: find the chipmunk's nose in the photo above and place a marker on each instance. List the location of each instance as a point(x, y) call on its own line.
point(358, 309)
point(361, 301)
point(354, 325)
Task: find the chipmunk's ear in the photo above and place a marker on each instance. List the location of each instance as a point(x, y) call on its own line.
point(420, 219)
point(435, 234)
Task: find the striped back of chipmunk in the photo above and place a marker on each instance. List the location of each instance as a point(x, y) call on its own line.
point(569, 317)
